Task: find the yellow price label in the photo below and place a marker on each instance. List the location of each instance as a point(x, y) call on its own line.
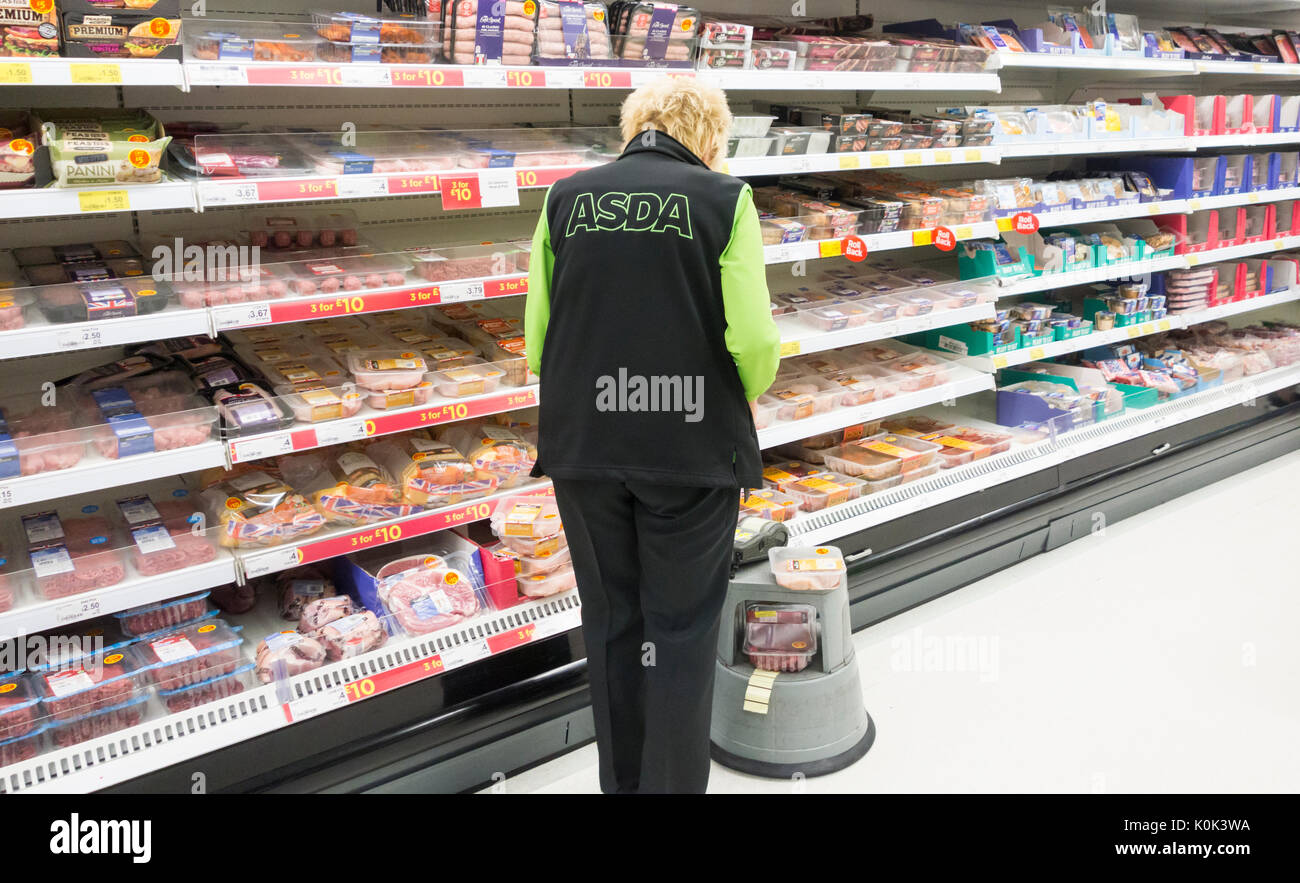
point(15, 72)
point(726, 168)
point(974, 155)
point(964, 232)
point(999, 361)
point(1037, 353)
point(1195, 204)
point(1278, 243)
point(104, 201)
point(830, 248)
point(850, 162)
point(1153, 209)
point(1252, 197)
point(921, 237)
point(1193, 260)
point(911, 159)
point(95, 74)
point(790, 348)
point(1148, 328)
point(1004, 225)
point(942, 156)
point(1163, 324)
point(879, 160)
point(1133, 331)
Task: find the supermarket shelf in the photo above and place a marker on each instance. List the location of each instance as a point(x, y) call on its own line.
point(372, 423)
point(949, 484)
point(135, 592)
point(1050, 281)
point(1102, 64)
point(1228, 200)
point(1114, 145)
point(967, 382)
point(1249, 305)
point(813, 342)
point(87, 72)
point(340, 541)
point(1235, 252)
point(301, 309)
point(168, 739)
point(744, 167)
point(52, 201)
point(813, 249)
point(39, 338)
point(1073, 345)
point(95, 473)
point(242, 191)
point(884, 81)
point(1247, 139)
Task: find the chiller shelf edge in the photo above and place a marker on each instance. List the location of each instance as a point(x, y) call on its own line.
point(172, 738)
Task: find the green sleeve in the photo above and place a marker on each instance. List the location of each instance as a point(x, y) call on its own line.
point(537, 308)
point(752, 336)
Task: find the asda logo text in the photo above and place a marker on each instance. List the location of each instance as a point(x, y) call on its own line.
point(78, 836)
point(636, 392)
point(633, 212)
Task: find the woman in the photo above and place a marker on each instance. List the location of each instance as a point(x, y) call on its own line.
point(649, 325)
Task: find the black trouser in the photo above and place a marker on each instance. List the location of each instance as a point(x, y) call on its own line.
point(652, 563)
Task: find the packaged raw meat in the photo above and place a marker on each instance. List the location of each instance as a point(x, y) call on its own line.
point(321, 612)
point(424, 594)
point(915, 424)
point(310, 371)
point(312, 403)
point(165, 615)
point(81, 558)
point(430, 473)
point(298, 590)
point(13, 307)
point(535, 547)
point(387, 369)
point(770, 504)
point(882, 456)
point(249, 409)
point(570, 33)
point(470, 262)
point(821, 490)
point(188, 655)
point(802, 397)
point(656, 34)
point(493, 449)
point(18, 147)
point(221, 686)
point(46, 439)
point(144, 427)
point(254, 509)
point(276, 231)
point(541, 585)
point(22, 748)
point(218, 372)
point(537, 565)
point(235, 599)
point(112, 298)
point(286, 654)
point(527, 517)
point(19, 714)
point(98, 723)
point(488, 32)
point(355, 27)
point(352, 636)
point(472, 377)
point(780, 637)
point(346, 486)
point(92, 683)
point(384, 53)
point(812, 568)
point(523, 153)
point(914, 372)
point(416, 156)
point(384, 399)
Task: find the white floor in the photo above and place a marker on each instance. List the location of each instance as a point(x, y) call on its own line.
point(1158, 656)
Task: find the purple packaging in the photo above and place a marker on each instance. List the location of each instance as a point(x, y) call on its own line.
point(661, 26)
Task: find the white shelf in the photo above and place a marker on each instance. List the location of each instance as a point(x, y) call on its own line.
point(1073, 345)
point(743, 167)
point(1249, 305)
point(1251, 139)
point(134, 592)
point(82, 72)
point(166, 739)
point(40, 337)
point(798, 343)
point(1051, 281)
point(1113, 145)
point(95, 473)
point(949, 484)
point(1097, 63)
point(963, 382)
point(814, 249)
point(42, 202)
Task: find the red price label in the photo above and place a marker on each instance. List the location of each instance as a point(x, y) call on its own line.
point(526, 78)
point(461, 192)
point(607, 79)
point(452, 411)
point(274, 191)
point(412, 183)
point(944, 240)
point(511, 639)
point(855, 249)
point(426, 77)
point(1024, 222)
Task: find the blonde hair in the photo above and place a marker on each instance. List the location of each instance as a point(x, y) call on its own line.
point(694, 114)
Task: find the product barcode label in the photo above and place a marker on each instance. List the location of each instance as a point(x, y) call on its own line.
point(173, 649)
point(75, 611)
point(153, 539)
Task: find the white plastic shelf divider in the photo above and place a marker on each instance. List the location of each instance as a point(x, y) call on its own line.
point(963, 382)
point(1099, 145)
point(40, 202)
point(850, 518)
point(814, 341)
point(135, 592)
point(371, 423)
point(89, 72)
point(743, 167)
point(95, 473)
point(167, 739)
point(39, 338)
point(337, 541)
point(1098, 64)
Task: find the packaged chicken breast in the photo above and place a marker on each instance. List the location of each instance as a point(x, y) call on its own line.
point(345, 485)
point(430, 473)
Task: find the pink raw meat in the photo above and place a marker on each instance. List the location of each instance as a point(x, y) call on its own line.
point(297, 653)
point(189, 551)
point(454, 600)
point(353, 635)
point(98, 725)
point(90, 571)
point(322, 612)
